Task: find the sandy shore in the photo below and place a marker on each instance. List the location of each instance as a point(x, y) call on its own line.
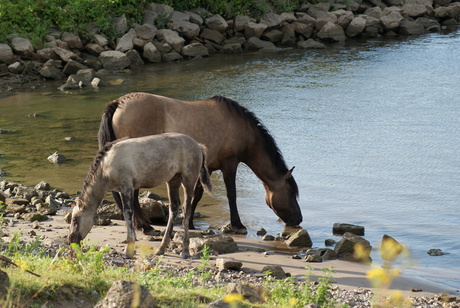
point(254, 254)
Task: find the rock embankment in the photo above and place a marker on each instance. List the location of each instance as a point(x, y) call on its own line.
point(166, 35)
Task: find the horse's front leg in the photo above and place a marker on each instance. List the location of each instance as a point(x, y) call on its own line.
point(127, 199)
point(174, 203)
point(187, 211)
point(229, 174)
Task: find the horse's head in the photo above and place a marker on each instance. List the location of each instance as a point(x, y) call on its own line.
point(282, 199)
point(81, 223)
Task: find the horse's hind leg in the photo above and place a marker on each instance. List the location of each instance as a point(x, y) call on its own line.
point(187, 212)
point(197, 194)
point(127, 200)
point(174, 203)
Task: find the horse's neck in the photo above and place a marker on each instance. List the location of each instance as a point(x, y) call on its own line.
point(95, 192)
point(264, 168)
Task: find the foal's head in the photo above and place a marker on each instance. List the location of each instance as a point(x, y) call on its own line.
point(282, 199)
point(82, 222)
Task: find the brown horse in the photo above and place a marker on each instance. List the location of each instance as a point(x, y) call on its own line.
point(231, 133)
point(129, 164)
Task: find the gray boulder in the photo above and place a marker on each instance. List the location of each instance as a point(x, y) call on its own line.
point(391, 21)
point(146, 32)
point(72, 67)
point(123, 294)
point(134, 58)
point(240, 22)
point(64, 54)
point(185, 28)
point(250, 293)
point(332, 32)
point(345, 248)
point(216, 22)
point(6, 53)
point(114, 60)
point(172, 38)
point(151, 53)
point(72, 40)
point(22, 46)
point(50, 70)
point(57, 158)
point(219, 244)
point(16, 68)
point(300, 238)
point(408, 27)
point(100, 40)
point(272, 20)
point(120, 24)
point(356, 27)
point(223, 264)
point(195, 50)
point(274, 271)
point(213, 36)
point(310, 44)
point(252, 29)
point(342, 228)
point(125, 43)
point(171, 56)
point(255, 44)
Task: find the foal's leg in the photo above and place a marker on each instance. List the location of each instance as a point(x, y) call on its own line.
point(187, 211)
point(127, 199)
point(197, 194)
point(174, 203)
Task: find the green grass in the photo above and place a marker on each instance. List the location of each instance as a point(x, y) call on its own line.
point(83, 274)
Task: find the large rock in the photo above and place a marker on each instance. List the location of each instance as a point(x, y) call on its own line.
point(272, 20)
point(219, 244)
point(342, 228)
point(391, 21)
point(51, 70)
point(213, 36)
point(252, 29)
point(6, 53)
point(22, 46)
point(172, 38)
point(356, 27)
point(114, 60)
point(409, 27)
point(125, 43)
point(274, 271)
point(353, 248)
point(195, 50)
point(72, 40)
point(216, 22)
point(124, 294)
point(64, 54)
point(300, 238)
point(151, 53)
point(185, 28)
point(255, 44)
point(241, 21)
point(72, 67)
point(146, 32)
point(310, 44)
point(332, 32)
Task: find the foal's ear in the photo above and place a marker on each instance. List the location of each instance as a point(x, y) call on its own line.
point(288, 174)
point(77, 203)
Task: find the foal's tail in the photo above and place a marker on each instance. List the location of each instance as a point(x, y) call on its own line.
point(204, 173)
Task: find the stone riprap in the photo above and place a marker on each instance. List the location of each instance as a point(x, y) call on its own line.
point(198, 33)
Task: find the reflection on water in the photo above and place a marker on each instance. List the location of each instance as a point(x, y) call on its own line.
point(373, 135)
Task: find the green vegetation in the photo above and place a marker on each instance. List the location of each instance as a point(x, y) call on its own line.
point(35, 18)
point(83, 273)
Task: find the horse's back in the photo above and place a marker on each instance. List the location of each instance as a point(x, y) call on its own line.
point(151, 160)
point(207, 121)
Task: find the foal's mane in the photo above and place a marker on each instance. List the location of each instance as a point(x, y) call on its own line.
point(94, 168)
point(269, 144)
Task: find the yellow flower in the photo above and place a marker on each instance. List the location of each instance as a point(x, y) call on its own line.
point(233, 298)
point(390, 249)
point(361, 253)
point(22, 264)
point(379, 277)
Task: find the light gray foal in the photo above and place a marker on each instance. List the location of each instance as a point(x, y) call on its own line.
point(129, 164)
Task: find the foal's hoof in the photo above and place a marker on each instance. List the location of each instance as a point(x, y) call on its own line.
point(185, 255)
point(129, 250)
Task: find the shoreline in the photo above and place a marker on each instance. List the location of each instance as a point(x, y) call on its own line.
point(253, 253)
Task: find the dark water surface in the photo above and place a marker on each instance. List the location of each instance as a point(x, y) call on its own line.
point(374, 135)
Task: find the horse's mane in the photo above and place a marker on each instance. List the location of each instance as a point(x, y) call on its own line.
point(94, 168)
point(268, 142)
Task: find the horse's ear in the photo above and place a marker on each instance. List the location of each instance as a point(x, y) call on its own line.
point(288, 174)
point(77, 203)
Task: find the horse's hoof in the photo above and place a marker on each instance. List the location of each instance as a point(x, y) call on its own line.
point(185, 255)
point(150, 231)
point(159, 252)
point(240, 230)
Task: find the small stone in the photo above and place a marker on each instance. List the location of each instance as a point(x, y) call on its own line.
point(35, 224)
point(342, 228)
point(261, 232)
point(436, 252)
point(57, 158)
point(268, 237)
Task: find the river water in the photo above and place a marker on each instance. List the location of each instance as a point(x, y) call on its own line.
point(371, 127)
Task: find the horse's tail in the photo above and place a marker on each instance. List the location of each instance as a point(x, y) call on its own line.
point(204, 172)
point(106, 133)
